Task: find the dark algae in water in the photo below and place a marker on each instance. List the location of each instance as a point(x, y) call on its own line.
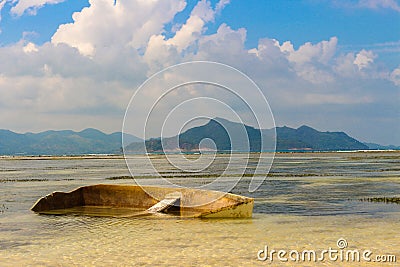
point(382, 199)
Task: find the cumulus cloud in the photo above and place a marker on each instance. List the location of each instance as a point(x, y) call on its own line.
point(161, 51)
point(224, 41)
point(30, 47)
point(127, 23)
point(364, 59)
point(92, 66)
point(344, 65)
point(194, 26)
point(395, 76)
point(47, 86)
point(310, 61)
point(321, 52)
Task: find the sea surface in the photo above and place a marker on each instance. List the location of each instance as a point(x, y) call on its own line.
point(309, 201)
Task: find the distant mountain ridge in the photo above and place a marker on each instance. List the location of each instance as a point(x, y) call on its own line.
point(381, 147)
point(287, 139)
point(307, 138)
point(66, 142)
point(92, 141)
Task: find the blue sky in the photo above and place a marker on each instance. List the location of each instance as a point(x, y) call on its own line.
point(44, 24)
point(341, 60)
point(298, 21)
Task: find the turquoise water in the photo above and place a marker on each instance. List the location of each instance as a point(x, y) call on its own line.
point(308, 201)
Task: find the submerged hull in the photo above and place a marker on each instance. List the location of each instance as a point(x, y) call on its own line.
point(132, 200)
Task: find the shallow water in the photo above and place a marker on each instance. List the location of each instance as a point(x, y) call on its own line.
point(309, 201)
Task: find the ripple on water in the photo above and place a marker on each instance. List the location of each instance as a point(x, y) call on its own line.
point(282, 218)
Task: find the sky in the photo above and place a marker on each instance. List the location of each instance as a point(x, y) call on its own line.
point(72, 64)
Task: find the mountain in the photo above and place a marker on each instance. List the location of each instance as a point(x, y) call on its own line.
point(217, 129)
point(381, 147)
point(92, 141)
point(88, 141)
point(307, 138)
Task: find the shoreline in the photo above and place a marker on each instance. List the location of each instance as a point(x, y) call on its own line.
point(121, 156)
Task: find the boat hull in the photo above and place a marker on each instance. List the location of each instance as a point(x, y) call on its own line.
point(193, 202)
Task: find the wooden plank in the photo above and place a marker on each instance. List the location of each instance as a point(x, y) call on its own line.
point(169, 201)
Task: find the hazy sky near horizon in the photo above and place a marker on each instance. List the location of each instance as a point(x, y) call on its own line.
point(72, 64)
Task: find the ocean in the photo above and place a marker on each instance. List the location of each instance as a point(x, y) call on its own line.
point(308, 202)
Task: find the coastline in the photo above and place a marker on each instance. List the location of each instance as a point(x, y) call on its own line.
point(121, 156)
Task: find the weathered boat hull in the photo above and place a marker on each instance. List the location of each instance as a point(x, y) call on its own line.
point(193, 202)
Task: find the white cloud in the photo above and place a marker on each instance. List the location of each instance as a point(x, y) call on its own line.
point(310, 61)
point(224, 42)
point(369, 4)
point(188, 33)
point(194, 26)
point(376, 4)
point(345, 66)
point(159, 54)
point(395, 76)
point(31, 6)
point(92, 66)
point(2, 4)
point(20, 7)
point(128, 22)
point(163, 52)
point(286, 47)
point(321, 52)
point(30, 47)
point(364, 59)
point(221, 4)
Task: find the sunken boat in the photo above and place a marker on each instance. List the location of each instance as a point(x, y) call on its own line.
point(133, 200)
